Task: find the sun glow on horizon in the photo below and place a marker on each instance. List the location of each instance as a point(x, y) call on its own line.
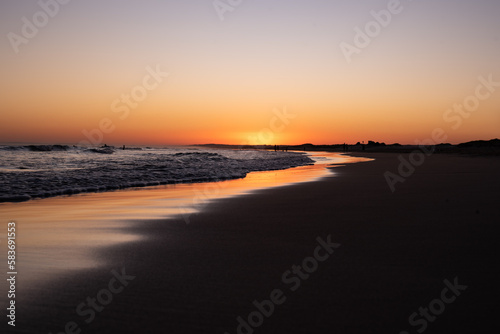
point(173, 73)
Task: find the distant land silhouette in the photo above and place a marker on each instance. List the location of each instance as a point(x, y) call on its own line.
point(476, 147)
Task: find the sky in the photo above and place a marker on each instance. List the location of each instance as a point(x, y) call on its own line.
point(168, 72)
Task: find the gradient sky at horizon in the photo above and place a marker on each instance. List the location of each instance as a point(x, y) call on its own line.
point(227, 78)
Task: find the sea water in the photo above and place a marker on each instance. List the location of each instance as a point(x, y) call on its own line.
point(38, 171)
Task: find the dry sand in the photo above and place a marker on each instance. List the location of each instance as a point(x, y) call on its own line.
point(396, 251)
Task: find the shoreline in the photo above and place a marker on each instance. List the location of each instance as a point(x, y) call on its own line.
point(181, 166)
point(84, 224)
point(395, 252)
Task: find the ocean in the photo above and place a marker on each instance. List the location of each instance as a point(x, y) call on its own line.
point(40, 171)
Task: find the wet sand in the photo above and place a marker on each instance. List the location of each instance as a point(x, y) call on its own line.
point(396, 250)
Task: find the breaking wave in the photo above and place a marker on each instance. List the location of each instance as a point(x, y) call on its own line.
point(38, 171)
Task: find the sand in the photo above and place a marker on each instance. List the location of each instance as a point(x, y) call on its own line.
point(396, 251)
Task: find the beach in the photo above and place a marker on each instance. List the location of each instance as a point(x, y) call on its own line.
point(369, 260)
point(248, 167)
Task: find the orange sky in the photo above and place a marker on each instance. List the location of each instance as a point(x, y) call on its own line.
point(227, 80)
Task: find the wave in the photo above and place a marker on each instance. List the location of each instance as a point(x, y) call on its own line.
point(81, 170)
point(105, 150)
point(38, 148)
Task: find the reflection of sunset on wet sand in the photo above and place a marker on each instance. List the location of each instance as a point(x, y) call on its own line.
point(249, 167)
point(63, 233)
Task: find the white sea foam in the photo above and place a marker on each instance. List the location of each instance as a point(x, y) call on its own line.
point(38, 171)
